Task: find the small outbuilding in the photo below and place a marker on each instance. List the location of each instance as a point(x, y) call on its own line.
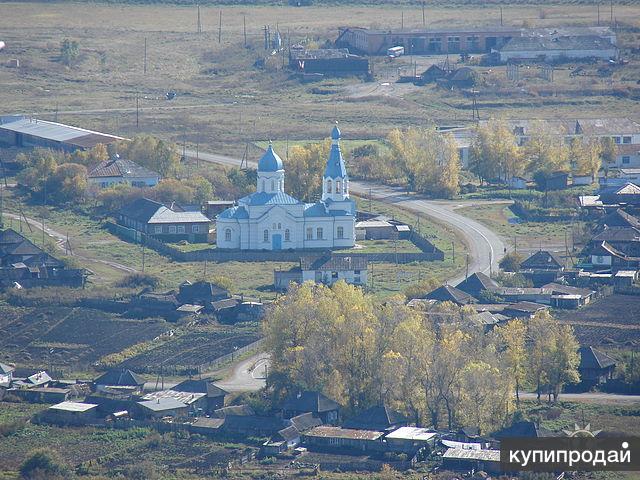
point(71, 413)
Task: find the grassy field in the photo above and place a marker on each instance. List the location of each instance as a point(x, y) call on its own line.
point(529, 236)
point(223, 101)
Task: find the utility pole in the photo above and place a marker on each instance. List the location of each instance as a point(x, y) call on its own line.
point(220, 28)
point(145, 56)
point(424, 22)
point(501, 16)
point(466, 275)
point(453, 252)
point(143, 255)
point(370, 199)
point(137, 110)
point(401, 19)
point(598, 5)
point(244, 29)
point(199, 22)
point(55, 118)
point(611, 20)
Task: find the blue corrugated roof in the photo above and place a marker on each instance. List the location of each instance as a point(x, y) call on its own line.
point(270, 161)
point(234, 212)
point(263, 198)
point(316, 210)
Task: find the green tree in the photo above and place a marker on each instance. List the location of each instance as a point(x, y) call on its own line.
point(68, 183)
point(494, 152)
point(43, 463)
point(546, 150)
point(511, 262)
point(305, 167)
point(153, 153)
point(512, 337)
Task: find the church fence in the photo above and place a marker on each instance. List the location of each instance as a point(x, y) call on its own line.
point(429, 252)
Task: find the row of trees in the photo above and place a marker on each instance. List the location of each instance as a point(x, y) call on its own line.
point(420, 158)
point(437, 366)
point(496, 155)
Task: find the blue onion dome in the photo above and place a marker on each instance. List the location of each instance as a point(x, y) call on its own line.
point(270, 161)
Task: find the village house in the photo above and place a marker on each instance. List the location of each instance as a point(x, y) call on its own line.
point(477, 283)
point(120, 171)
point(343, 439)
point(195, 401)
point(380, 418)
point(566, 296)
point(595, 367)
point(41, 394)
point(166, 224)
point(312, 402)
point(325, 269)
point(524, 309)
point(542, 267)
point(160, 408)
point(201, 293)
point(119, 380)
point(214, 395)
point(6, 375)
point(37, 380)
point(71, 413)
point(447, 293)
point(26, 265)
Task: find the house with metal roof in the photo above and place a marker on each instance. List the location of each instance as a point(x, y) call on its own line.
point(117, 171)
point(164, 223)
point(161, 407)
point(71, 413)
point(19, 131)
point(270, 219)
point(447, 293)
point(122, 379)
point(325, 269)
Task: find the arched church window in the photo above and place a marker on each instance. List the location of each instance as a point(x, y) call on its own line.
point(309, 233)
point(340, 232)
point(329, 186)
point(265, 236)
point(319, 233)
point(338, 186)
point(227, 235)
point(287, 235)
point(273, 185)
point(279, 226)
point(280, 186)
point(262, 188)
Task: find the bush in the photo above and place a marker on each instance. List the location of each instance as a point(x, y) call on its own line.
point(137, 280)
point(9, 428)
point(43, 463)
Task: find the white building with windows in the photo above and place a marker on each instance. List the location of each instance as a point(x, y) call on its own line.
point(270, 219)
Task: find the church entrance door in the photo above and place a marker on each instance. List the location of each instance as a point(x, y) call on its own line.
point(276, 241)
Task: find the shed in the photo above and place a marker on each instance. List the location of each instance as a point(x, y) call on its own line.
point(71, 413)
point(410, 439)
point(447, 293)
point(462, 459)
point(214, 394)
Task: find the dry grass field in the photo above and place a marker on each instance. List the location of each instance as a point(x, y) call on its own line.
point(223, 100)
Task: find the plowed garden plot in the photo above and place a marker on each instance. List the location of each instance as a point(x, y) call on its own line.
point(74, 337)
point(613, 321)
point(193, 349)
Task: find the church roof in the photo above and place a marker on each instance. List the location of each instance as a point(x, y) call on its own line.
point(264, 198)
point(319, 209)
point(234, 212)
point(270, 161)
point(335, 164)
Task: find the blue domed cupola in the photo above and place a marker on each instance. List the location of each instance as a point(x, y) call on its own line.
point(335, 181)
point(270, 161)
point(270, 172)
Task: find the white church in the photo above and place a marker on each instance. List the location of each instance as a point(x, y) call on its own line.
point(270, 219)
